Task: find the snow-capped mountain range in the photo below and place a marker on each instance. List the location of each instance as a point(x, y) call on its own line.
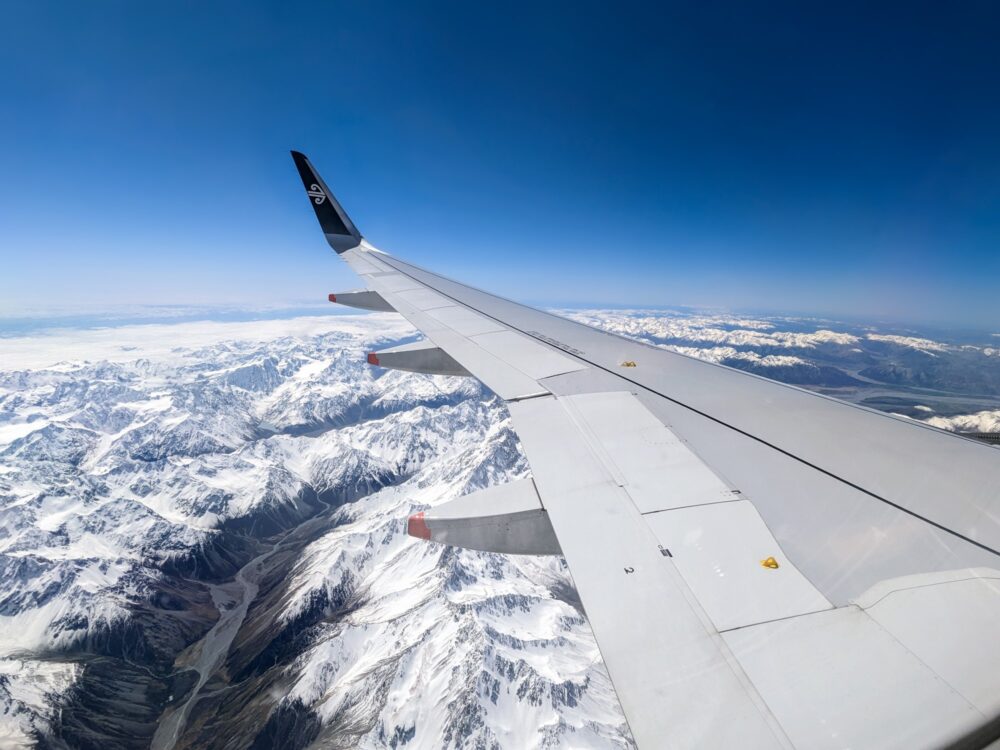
point(202, 533)
point(203, 545)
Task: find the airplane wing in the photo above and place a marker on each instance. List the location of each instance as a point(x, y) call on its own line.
point(761, 566)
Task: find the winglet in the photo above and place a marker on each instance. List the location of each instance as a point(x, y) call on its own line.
point(337, 226)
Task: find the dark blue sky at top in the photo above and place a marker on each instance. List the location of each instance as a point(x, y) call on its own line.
point(820, 158)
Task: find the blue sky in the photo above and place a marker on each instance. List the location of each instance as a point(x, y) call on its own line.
point(835, 159)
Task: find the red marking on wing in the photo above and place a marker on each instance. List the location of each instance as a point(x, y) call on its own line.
point(372, 358)
point(416, 526)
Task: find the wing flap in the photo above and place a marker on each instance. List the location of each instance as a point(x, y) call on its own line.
point(734, 565)
point(675, 678)
point(836, 679)
point(920, 613)
point(658, 469)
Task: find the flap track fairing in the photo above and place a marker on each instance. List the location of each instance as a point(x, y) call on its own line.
point(363, 300)
point(508, 518)
point(421, 357)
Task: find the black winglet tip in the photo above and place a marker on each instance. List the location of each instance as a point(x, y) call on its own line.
point(339, 230)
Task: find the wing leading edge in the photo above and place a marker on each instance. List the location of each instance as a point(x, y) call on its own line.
point(761, 566)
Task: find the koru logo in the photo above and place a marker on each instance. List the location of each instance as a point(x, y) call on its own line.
point(316, 193)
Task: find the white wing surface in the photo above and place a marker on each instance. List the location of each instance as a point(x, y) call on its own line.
point(762, 566)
